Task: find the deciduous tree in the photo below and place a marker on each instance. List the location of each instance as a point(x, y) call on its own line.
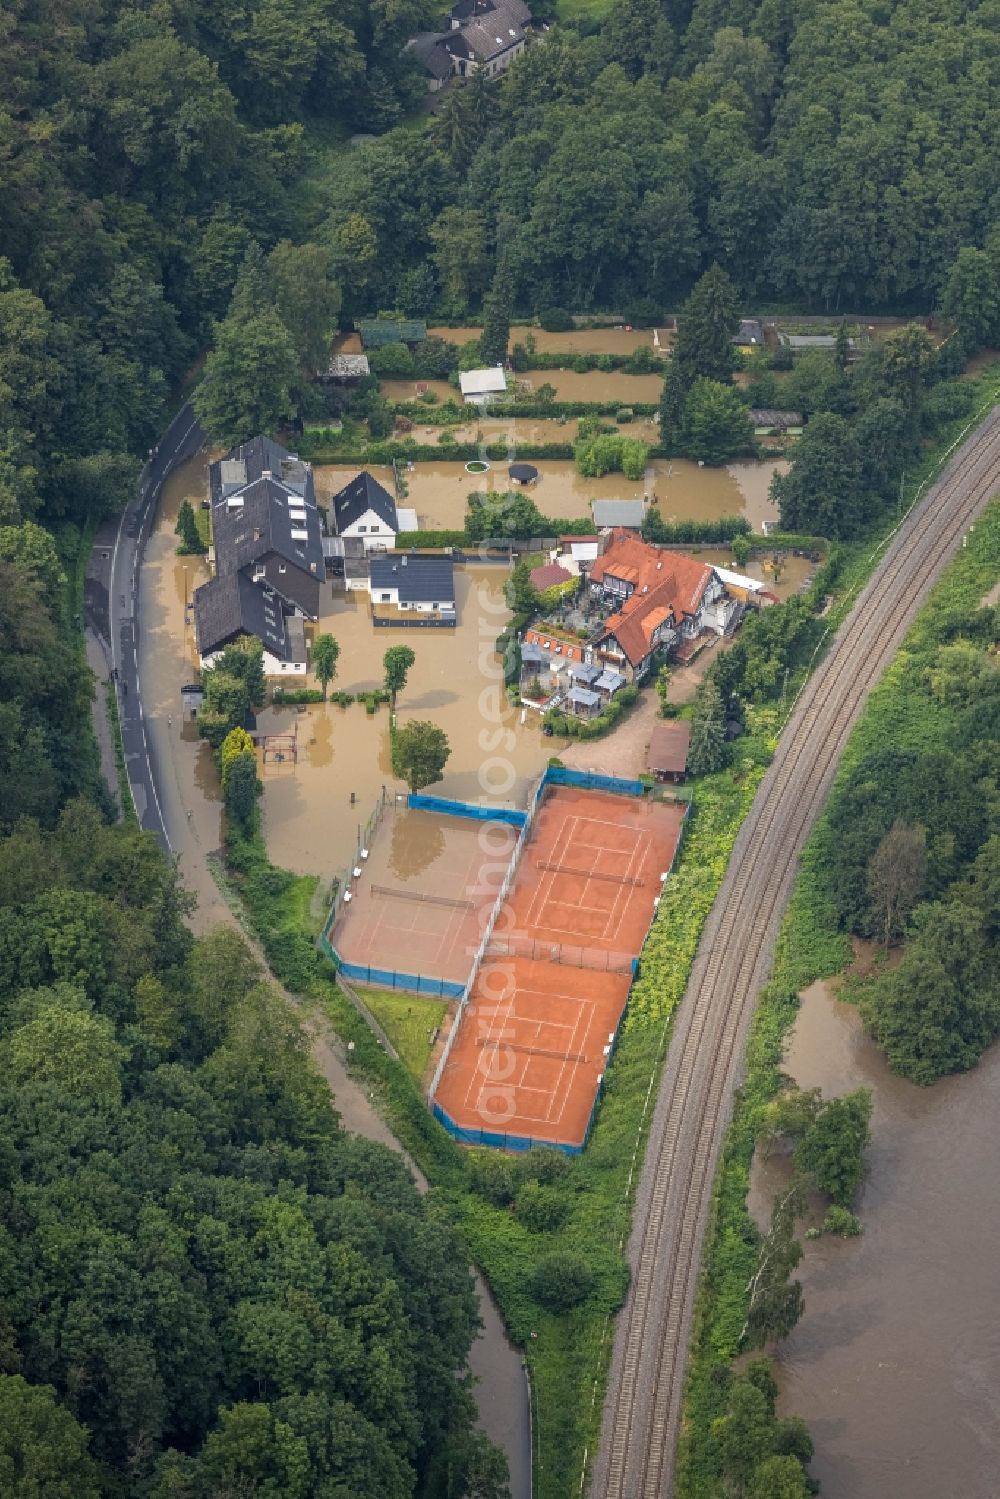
point(896, 876)
point(325, 654)
point(396, 663)
point(420, 751)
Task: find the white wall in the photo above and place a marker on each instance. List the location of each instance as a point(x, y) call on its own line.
point(373, 531)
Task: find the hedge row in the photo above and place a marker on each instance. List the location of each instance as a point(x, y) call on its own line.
point(646, 363)
point(724, 529)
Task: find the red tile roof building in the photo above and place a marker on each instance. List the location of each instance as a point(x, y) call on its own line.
point(663, 597)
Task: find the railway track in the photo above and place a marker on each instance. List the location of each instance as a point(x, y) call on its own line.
point(705, 1061)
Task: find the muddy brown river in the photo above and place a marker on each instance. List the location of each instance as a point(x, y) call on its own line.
point(895, 1363)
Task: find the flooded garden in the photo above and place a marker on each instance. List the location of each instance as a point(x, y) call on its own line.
point(680, 490)
point(497, 752)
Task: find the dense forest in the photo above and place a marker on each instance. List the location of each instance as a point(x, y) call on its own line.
point(206, 1286)
point(828, 155)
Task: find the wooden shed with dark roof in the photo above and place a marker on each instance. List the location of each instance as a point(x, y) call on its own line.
point(668, 750)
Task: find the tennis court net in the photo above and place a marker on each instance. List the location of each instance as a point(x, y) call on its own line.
point(590, 874)
point(423, 897)
point(570, 954)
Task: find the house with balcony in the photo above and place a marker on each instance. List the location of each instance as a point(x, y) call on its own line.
point(661, 601)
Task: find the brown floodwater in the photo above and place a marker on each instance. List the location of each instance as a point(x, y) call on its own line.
point(680, 489)
point(780, 572)
point(594, 385)
point(578, 341)
point(310, 822)
point(895, 1363)
point(187, 781)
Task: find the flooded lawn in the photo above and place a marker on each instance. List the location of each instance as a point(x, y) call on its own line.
point(309, 820)
point(595, 385)
point(680, 489)
point(781, 573)
point(578, 341)
point(526, 429)
point(895, 1361)
point(396, 391)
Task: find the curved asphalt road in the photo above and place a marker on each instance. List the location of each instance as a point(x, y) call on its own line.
point(111, 595)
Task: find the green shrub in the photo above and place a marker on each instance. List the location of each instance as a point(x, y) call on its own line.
point(541, 1208)
point(490, 1176)
point(555, 320)
point(842, 1222)
point(286, 695)
point(624, 414)
point(562, 1280)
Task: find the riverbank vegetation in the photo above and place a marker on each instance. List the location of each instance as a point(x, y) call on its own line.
point(905, 710)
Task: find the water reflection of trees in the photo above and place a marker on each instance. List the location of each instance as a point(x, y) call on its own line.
point(417, 841)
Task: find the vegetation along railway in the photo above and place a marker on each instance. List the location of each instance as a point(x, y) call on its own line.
point(704, 1065)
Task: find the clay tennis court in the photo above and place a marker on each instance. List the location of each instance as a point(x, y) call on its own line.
point(532, 1042)
point(532, 1047)
point(592, 869)
point(421, 902)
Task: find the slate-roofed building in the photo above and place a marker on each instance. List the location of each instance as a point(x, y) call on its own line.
point(485, 35)
point(366, 510)
point(750, 337)
point(229, 607)
point(268, 554)
point(377, 332)
point(768, 421)
point(404, 583)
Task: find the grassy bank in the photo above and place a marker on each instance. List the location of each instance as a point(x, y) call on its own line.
point(811, 946)
point(409, 1020)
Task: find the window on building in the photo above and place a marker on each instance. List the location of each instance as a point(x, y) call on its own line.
point(282, 568)
point(387, 598)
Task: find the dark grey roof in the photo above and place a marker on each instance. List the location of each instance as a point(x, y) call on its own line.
point(769, 416)
point(464, 10)
point(750, 331)
point(268, 520)
point(420, 580)
point(364, 493)
point(232, 606)
point(252, 460)
point(585, 675)
point(429, 48)
point(485, 34)
point(584, 696)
